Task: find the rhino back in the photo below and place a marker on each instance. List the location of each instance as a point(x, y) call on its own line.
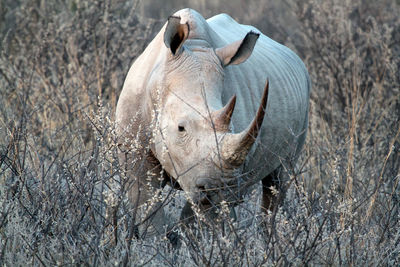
point(284, 127)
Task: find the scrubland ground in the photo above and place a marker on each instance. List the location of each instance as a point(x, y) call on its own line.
point(63, 195)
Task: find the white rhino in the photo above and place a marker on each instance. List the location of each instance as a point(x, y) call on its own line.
point(197, 106)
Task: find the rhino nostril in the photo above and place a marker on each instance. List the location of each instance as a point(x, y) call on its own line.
point(202, 184)
point(201, 187)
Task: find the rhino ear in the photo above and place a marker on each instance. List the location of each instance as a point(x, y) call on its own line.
point(175, 34)
point(239, 51)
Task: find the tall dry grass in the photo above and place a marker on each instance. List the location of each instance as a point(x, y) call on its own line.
point(63, 194)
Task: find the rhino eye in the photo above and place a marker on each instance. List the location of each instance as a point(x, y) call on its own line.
point(181, 126)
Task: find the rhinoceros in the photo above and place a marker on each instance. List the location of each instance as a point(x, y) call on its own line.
point(213, 106)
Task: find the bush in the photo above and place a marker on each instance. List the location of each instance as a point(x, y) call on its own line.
point(63, 193)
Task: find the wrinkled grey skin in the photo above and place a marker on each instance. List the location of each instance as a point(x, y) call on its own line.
point(176, 91)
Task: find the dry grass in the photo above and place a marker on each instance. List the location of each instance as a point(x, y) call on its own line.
point(63, 194)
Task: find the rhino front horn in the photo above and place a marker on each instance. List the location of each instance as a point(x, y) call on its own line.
point(235, 147)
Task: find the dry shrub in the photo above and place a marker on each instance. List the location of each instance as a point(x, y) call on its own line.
point(63, 194)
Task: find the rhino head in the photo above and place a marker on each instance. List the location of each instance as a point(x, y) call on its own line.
point(192, 137)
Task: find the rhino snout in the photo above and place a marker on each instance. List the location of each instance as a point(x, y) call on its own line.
point(206, 190)
point(205, 184)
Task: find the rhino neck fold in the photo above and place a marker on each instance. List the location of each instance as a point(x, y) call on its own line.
point(197, 44)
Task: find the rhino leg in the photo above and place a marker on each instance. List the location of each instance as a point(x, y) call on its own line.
point(143, 180)
point(270, 201)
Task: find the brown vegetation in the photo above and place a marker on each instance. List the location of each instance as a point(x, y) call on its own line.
point(63, 194)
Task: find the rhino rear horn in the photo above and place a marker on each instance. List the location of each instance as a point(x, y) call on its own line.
point(235, 147)
point(222, 117)
point(175, 34)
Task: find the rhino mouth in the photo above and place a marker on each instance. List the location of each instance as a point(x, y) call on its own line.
point(207, 198)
